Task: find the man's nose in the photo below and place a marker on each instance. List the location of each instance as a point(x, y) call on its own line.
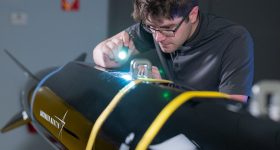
point(159, 36)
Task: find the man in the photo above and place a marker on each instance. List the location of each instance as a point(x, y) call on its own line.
point(201, 51)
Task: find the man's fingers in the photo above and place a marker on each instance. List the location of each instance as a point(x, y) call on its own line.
point(107, 50)
point(117, 41)
point(107, 53)
point(156, 73)
point(109, 63)
point(126, 39)
point(111, 45)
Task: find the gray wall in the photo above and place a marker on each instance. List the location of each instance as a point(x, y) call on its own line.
point(119, 15)
point(261, 18)
point(50, 37)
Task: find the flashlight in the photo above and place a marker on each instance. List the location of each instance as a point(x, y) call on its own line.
point(122, 53)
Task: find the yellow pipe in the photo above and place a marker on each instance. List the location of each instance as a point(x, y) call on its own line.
point(155, 80)
point(107, 111)
point(168, 110)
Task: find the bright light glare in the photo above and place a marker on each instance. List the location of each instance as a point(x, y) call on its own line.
point(122, 55)
point(127, 77)
point(166, 95)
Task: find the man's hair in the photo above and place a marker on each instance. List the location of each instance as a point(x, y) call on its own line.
point(162, 8)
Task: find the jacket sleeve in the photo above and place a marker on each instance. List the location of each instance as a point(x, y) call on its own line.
point(237, 70)
point(143, 40)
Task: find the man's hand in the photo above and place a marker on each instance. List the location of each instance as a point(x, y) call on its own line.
point(241, 98)
point(105, 54)
point(156, 73)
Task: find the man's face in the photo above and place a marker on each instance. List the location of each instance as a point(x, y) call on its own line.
point(182, 30)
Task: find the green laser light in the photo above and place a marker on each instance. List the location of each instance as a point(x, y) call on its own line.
point(166, 95)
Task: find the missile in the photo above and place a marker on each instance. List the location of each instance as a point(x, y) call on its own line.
point(80, 106)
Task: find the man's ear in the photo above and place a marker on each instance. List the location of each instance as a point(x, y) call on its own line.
point(193, 16)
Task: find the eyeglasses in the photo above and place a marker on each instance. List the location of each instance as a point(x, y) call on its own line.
point(167, 32)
